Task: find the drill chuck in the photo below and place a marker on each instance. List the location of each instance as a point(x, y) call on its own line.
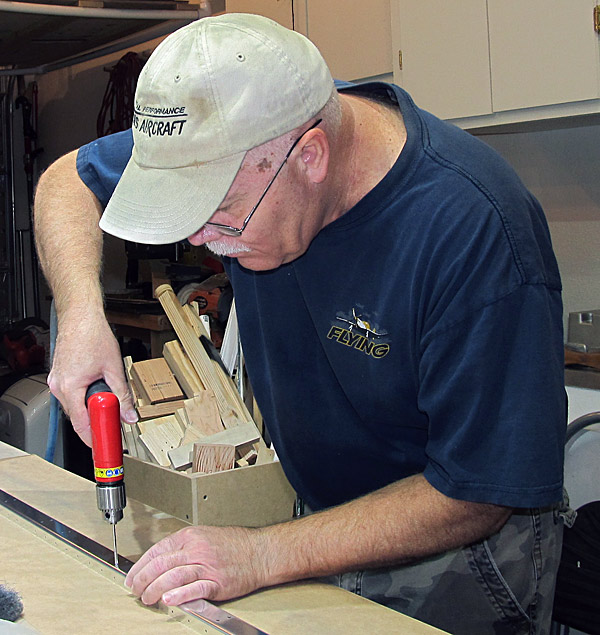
point(111, 501)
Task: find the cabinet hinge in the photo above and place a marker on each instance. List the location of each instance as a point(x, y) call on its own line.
point(400, 60)
point(597, 18)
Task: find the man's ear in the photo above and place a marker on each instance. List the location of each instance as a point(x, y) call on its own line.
point(314, 155)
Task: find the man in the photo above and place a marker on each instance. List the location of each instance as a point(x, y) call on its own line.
point(399, 305)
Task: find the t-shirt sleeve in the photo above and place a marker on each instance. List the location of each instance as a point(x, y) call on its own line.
point(492, 386)
point(100, 163)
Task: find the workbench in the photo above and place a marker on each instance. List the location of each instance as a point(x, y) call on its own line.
point(63, 591)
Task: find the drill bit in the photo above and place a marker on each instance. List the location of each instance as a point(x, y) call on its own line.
point(116, 553)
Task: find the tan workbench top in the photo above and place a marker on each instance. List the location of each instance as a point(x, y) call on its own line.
point(64, 593)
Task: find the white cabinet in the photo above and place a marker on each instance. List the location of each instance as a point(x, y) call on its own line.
point(442, 55)
point(353, 36)
point(279, 10)
point(503, 59)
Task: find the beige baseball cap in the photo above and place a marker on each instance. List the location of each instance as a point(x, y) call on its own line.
point(210, 92)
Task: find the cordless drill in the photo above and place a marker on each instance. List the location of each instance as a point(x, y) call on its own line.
point(107, 454)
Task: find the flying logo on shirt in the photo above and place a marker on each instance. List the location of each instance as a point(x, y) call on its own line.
point(360, 334)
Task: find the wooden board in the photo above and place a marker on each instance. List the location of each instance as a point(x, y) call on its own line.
point(182, 368)
point(159, 409)
point(156, 381)
point(203, 413)
point(165, 434)
point(213, 457)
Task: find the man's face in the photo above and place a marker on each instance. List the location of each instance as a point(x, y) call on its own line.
point(282, 226)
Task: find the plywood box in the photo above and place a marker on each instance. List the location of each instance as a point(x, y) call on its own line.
point(252, 496)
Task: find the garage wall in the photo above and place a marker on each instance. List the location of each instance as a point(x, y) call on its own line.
point(562, 169)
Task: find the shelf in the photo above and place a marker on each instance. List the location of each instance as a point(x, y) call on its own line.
point(36, 38)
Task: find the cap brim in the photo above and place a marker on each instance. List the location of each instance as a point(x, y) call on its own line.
point(161, 206)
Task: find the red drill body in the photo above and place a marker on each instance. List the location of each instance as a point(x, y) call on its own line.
point(107, 454)
point(107, 447)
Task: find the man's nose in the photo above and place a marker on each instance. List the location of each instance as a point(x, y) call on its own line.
point(203, 235)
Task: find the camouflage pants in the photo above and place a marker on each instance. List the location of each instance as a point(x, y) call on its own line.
point(502, 585)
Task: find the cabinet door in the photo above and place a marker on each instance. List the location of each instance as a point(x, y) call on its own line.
point(279, 10)
point(353, 36)
point(542, 52)
point(445, 55)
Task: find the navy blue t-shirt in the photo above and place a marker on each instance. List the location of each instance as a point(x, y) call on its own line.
point(421, 332)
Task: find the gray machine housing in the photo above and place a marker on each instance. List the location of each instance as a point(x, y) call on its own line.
point(25, 417)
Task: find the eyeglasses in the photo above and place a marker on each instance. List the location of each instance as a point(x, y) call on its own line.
point(228, 230)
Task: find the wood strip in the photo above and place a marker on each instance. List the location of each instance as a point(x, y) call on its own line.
point(192, 346)
point(142, 321)
point(129, 439)
point(182, 368)
point(192, 319)
point(159, 409)
point(233, 396)
point(138, 400)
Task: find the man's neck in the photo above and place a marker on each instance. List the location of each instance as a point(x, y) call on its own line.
point(371, 138)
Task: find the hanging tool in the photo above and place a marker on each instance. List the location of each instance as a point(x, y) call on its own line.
point(107, 454)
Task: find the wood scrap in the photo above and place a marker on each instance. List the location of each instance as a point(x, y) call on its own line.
point(203, 414)
point(240, 436)
point(147, 425)
point(213, 457)
point(156, 381)
point(265, 455)
point(160, 436)
point(237, 406)
point(130, 434)
point(248, 458)
point(159, 409)
point(181, 415)
point(182, 368)
point(137, 398)
point(257, 416)
point(194, 348)
point(190, 436)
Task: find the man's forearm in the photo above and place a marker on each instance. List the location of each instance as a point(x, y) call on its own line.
point(401, 523)
point(69, 244)
point(68, 238)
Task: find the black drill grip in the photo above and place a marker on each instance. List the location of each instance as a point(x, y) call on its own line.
point(98, 386)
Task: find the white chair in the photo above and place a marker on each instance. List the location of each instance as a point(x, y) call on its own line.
point(582, 481)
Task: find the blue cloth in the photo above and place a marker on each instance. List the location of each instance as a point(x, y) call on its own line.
point(420, 332)
point(101, 163)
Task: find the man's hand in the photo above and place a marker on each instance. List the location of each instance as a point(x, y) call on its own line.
point(86, 350)
point(211, 563)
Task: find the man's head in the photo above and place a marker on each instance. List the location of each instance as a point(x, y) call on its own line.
point(209, 93)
